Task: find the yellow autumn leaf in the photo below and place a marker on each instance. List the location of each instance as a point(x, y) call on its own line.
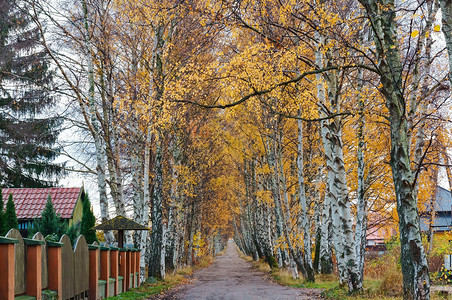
point(437, 28)
point(427, 34)
point(415, 33)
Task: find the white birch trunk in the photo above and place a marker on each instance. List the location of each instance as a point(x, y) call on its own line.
point(163, 252)
point(448, 167)
point(287, 217)
point(304, 222)
point(432, 216)
point(327, 213)
point(337, 182)
point(446, 13)
point(416, 280)
point(144, 245)
point(155, 268)
point(361, 211)
point(325, 260)
point(100, 153)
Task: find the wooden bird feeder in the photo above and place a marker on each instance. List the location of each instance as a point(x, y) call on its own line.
point(120, 224)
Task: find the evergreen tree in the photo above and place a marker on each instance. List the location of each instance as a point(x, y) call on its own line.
point(10, 214)
point(88, 221)
point(50, 223)
point(27, 144)
point(73, 232)
point(2, 215)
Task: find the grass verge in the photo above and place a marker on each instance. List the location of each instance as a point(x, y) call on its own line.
point(147, 290)
point(329, 283)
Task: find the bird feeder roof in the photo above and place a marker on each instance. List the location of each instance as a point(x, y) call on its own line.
point(120, 223)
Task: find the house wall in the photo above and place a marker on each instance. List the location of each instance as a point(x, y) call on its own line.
point(77, 214)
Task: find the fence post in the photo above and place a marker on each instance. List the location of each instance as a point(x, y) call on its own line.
point(129, 269)
point(7, 267)
point(55, 268)
point(93, 271)
point(122, 267)
point(34, 265)
point(138, 259)
point(132, 268)
point(114, 268)
point(105, 268)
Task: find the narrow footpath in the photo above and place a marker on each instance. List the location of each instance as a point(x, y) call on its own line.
point(231, 277)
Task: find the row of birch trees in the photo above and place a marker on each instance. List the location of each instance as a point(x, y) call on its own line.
point(153, 160)
point(329, 99)
point(295, 125)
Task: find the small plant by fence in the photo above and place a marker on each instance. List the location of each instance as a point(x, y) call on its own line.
point(36, 267)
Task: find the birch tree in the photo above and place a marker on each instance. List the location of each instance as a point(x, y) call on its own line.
point(416, 279)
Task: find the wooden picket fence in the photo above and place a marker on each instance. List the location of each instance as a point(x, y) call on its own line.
point(31, 268)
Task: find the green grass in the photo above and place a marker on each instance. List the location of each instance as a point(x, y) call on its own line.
point(147, 290)
point(144, 291)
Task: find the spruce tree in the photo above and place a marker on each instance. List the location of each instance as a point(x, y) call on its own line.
point(10, 214)
point(50, 223)
point(2, 215)
point(88, 221)
point(28, 137)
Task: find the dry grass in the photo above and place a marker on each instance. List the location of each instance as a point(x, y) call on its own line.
point(187, 270)
point(262, 266)
point(284, 277)
point(392, 284)
point(203, 262)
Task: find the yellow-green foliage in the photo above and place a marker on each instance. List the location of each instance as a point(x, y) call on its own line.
point(441, 244)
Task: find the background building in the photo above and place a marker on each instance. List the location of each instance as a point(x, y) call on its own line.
point(30, 203)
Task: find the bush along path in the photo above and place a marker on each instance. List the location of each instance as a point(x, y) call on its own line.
point(231, 277)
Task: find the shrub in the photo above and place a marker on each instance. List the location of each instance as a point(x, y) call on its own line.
point(443, 276)
point(272, 262)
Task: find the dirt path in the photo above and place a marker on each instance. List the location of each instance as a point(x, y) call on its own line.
point(231, 277)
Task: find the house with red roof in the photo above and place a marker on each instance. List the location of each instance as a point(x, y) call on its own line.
point(30, 203)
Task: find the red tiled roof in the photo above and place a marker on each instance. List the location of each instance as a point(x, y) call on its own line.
point(31, 202)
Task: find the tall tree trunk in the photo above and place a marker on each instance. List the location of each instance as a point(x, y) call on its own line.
point(304, 222)
point(326, 263)
point(274, 186)
point(144, 240)
point(295, 257)
point(154, 266)
point(326, 259)
point(191, 233)
point(448, 167)
point(361, 211)
point(432, 215)
point(340, 197)
point(100, 153)
point(446, 13)
point(416, 280)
